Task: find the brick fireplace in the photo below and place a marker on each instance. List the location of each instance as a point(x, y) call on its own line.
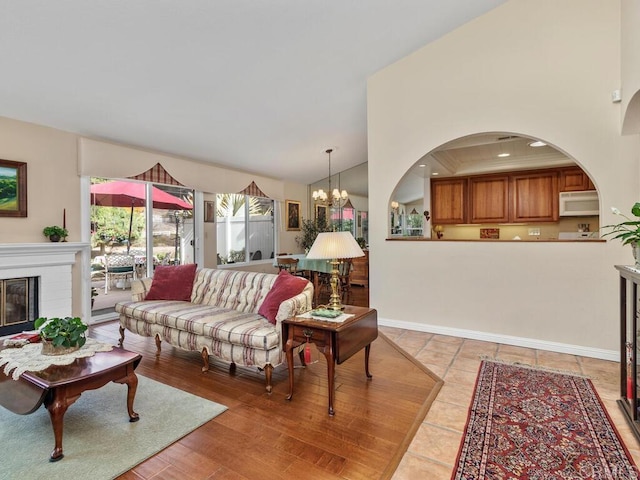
point(50, 267)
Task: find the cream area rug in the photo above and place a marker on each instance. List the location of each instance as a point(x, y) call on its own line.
point(98, 441)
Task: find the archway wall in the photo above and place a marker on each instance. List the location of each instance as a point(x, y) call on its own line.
point(630, 46)
point(535, 67)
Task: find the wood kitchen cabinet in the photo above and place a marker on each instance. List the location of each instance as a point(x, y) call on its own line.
point(489, 199)
point(535, 197)
point(574, 179)
point(448, 201)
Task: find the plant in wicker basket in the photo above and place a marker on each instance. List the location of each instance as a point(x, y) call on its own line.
point(61, 335)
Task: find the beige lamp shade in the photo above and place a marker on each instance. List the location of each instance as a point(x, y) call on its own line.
point(329, 245)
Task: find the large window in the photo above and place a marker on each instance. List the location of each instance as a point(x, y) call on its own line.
point(245, 228)
point(343, 220)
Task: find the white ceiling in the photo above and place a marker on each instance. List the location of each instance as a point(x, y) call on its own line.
point(263, 86)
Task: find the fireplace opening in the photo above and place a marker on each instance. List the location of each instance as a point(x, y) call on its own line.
point(18, 304)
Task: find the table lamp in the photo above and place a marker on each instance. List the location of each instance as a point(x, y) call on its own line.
point(333, 246)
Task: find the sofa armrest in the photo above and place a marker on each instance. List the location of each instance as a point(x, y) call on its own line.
point(301, 303)
point(140, 288)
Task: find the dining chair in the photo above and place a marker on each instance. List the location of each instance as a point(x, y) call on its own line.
point(287, 263)
point(344, 268)
point(118, 267)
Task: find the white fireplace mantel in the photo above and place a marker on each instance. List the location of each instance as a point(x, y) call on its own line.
point(52, 262)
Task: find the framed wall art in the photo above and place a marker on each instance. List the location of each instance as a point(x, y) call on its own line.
point(13, 189)
point(292, 211)
point(321, 214)
point(209, 211)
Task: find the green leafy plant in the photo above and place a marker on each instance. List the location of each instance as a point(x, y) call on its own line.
point(62, 332)
point(55, 230)
point(309, 230)
point(627, 231)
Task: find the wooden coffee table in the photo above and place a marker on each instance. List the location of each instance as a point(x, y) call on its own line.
point(59, 386)
point(337, 341)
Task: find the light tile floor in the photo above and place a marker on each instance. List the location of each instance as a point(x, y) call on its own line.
point(432, 453)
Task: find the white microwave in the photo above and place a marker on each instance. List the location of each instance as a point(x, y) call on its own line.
point(578, 204)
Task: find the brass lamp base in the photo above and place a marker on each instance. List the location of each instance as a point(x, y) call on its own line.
point(334, 300)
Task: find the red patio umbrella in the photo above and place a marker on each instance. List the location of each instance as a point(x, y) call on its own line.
point(133, 194)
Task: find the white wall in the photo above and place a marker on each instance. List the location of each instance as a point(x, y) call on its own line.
point(536, 67)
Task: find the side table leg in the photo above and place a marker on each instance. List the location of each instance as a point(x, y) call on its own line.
point(366, 361)
point(288, 348)
point(331, 368)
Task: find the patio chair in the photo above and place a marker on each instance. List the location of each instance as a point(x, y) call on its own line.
point(119, 267)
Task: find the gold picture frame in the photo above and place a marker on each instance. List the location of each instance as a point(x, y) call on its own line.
point(321, 214)
point(292, 215)
point(13, 194)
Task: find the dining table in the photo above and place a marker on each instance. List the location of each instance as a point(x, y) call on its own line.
point(315, 267)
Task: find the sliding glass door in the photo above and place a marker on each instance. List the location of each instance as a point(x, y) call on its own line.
point(134, 227)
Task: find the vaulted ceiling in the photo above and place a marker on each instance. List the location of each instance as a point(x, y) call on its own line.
point(262, 86)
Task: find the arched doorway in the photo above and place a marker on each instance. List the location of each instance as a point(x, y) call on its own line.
point(495, 185)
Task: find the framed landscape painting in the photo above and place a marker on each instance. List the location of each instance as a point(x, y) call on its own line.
point(13, 189)
point(292, 210)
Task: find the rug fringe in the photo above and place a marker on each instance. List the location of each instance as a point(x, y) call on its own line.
point(543, 368)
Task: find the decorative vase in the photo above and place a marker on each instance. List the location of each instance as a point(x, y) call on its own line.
point(49, 349)
point(54, 238)
point(635, 249)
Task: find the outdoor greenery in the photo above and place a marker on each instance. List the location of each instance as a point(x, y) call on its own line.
point(309, 230)
point(110, 225)
point(230, 204)
point(62, 332)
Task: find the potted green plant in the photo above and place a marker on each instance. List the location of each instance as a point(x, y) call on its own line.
point(55, 233)
point(61, 335)
point(628, 232)
point(309, 230)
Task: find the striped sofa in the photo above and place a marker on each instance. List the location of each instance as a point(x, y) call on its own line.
point(221, 319)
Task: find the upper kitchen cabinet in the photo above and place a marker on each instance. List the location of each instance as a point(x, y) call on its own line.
point(573, 179)
point(535, 197)
point(448, 201)
point(489, 199)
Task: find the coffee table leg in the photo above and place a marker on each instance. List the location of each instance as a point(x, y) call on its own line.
point(132, 385)
point(57, 407)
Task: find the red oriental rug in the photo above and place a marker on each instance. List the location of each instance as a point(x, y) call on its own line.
point(536, 424)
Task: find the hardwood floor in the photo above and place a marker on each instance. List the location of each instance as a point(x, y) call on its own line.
point(266, 436)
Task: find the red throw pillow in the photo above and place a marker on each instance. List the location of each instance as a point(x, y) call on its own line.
point(172, 282)
point(285, 287)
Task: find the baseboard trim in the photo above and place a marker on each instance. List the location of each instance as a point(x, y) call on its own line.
point(582, 351)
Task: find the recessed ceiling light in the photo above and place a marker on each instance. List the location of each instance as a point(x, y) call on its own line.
point(434, 173)
point(502, 155)
point(537, 143)
point(422, 165)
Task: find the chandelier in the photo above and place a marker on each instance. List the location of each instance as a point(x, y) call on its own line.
point(338, 198)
